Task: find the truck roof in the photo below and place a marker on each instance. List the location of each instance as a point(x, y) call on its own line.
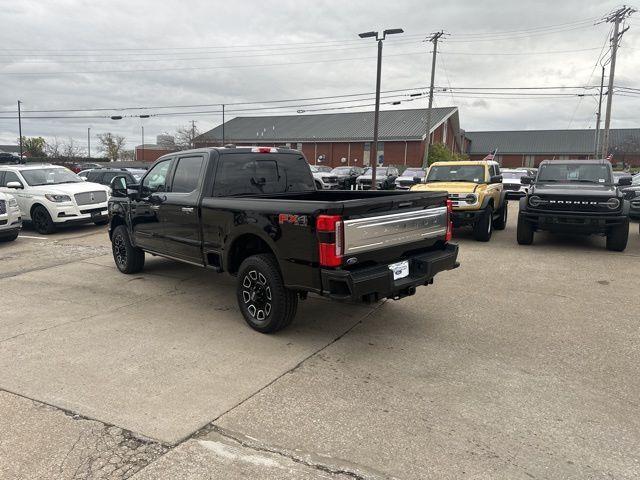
point(467, 162)
point(236, 149)
point(600, 161)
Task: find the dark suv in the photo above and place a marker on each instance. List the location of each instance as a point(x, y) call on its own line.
point(575, 196)
point(104, 176)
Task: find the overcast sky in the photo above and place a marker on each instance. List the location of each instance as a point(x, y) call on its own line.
point(198, 52)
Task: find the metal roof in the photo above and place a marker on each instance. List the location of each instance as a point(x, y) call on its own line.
point(352, 126)
point(562, 142)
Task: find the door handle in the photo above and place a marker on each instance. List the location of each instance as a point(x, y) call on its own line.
point(187, 209)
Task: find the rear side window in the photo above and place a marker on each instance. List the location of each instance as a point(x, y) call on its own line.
point(187, 174)
point(254, 174)
point(107, 177)
point(94, 177)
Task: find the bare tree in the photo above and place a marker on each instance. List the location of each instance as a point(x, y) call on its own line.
point(53, 148)
point(71, 150)
point(186, 135)
point(111, 145)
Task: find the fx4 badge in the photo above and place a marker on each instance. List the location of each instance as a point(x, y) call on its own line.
point(301, 220)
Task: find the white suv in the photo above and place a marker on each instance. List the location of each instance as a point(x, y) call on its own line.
point(50, 195)
point(10, 221)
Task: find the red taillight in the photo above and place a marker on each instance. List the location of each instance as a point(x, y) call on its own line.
point(329, 228)
point(449, 234)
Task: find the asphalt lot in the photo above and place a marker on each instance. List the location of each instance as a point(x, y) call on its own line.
point(521, 364)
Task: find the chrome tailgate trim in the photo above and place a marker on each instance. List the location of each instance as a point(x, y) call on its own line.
point(374, 233)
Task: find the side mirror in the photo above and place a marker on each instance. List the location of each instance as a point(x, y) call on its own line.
point(155, 199)
point(119, 186)
point(625, 181)
point(526, 180)
point(417, 179)
point(15, 185)
point(495, 179)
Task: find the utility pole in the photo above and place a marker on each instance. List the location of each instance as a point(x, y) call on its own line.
point(598, 116)
point(193, 134)
point(433, 39)
point(89, 142)
point(223, 124)
point(142, 154)
point(20, 128)
point(616, 18)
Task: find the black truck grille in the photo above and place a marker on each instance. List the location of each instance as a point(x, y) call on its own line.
point(593, 205)
point(3, 207)
point(511, 186)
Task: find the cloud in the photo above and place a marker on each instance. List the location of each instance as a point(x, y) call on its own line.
point(53, 37)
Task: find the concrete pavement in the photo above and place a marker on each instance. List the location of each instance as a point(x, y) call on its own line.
point(520, 364)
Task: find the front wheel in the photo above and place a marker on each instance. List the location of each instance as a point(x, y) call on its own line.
point(483, 228)
point(9, 238)
point(618, 236)
point(128, 258)
point(525, 232)
point(42, 220)
point(266, 304)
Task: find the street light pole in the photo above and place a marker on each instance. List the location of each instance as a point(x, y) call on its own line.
point(142, 155)
point(376, 115)
point(20, 128)
point(89, 142)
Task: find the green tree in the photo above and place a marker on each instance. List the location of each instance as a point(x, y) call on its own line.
point(439, 152)
point(34, 146)
point(111, 145)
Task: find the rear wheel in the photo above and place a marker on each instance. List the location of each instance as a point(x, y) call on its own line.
point(42, 220)
point(128, 258)
point(618, 236)
point(483, 228)
point(500, 223)
point(266, 304)
point(525, 231)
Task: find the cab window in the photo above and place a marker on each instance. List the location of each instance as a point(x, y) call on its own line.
point(187, 174)
point(156, 179)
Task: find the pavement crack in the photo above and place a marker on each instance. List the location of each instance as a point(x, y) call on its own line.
point(316, 462)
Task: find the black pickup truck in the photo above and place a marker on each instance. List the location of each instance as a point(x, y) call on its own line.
point(574, 197)
point(255, 213)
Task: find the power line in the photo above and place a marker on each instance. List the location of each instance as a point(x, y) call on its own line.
point(550, 52)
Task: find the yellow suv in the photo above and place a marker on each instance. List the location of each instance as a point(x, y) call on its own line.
point(476, 193)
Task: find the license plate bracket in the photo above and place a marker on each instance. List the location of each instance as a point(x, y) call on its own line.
point(400, 269)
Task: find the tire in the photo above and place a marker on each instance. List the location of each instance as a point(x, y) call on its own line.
point(266, 304)
point(101, 223)
point(525, 231)
point(618, 236)
point(128, 259)
point(501, 222)
point(318, 186)
point(9, 238)
point(483, 228)
point(42, 220)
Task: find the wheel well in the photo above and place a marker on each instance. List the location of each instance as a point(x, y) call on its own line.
point(34, 206)
point(115, 221)
point(243, 247)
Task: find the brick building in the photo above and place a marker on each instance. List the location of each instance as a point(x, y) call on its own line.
point(529, 147)
point(150, 152)
point(345, 138)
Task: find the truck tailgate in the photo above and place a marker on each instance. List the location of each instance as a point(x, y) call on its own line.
point(400, 227)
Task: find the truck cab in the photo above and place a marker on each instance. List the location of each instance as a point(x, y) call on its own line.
point(476, 192)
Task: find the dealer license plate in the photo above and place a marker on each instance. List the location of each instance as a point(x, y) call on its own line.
point(400, 269)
